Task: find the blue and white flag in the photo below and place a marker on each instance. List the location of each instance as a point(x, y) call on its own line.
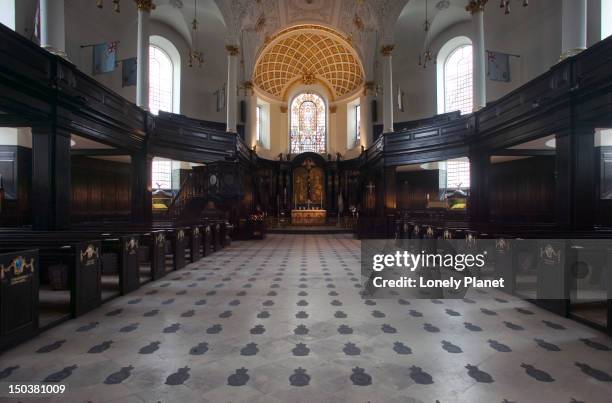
point(498, 66)
point(104, 57)
point(128, 72)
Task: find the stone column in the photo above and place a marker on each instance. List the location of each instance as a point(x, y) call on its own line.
point(142, 53)
point(573, 27)
point(232, 85)
point(250, 130)
point(366, 114)
point(386, 51)
point(52, 27)
point(476, 8)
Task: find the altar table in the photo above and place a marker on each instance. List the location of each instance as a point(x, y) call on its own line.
point(308, 217)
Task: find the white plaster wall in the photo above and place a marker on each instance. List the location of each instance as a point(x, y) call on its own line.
point(85, 24)
point(16, 136)
point(198, 84)
point(7, 13)
point(533, 32)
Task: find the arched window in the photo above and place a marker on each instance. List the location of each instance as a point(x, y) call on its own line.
point(455, 76)
point(458, 80)
point(308, 124)
point(161, 81)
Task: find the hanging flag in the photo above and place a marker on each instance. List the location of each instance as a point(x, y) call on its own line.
point(498, 66)
point(128, 72)
point(104, 55)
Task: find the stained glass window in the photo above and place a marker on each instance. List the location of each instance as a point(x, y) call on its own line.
point(458, 80)
point(161, 72)
point(308, 124)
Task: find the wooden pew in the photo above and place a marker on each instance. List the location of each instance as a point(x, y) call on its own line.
point(83, 262)
point(19, 284)
point(152, 245)
point(178, 243)
point(216, 237)
point(125, 246)
point(207, 241)
point(195, 243)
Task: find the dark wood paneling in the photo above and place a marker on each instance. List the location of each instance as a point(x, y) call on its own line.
point(16, 171)
point(100, 189)
point(50, 178)
point(18, 297)
point(181, 138)
point(413, 188)
point(523, 190)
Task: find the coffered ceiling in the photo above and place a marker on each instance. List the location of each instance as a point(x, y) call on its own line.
point(307, 54)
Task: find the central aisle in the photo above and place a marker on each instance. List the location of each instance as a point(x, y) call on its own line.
point(282, 320)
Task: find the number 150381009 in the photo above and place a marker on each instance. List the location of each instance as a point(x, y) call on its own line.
point(36, 389)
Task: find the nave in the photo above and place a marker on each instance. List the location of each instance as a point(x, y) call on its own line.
point(283, 319)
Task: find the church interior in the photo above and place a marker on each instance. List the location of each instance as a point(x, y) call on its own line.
point(189, 190)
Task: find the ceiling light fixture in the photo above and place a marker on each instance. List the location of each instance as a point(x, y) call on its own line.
point(426, 56)
point(479, 5)
point(141, 4)
point(195, 57)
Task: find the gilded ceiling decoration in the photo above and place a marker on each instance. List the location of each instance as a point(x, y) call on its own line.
point(308, 54)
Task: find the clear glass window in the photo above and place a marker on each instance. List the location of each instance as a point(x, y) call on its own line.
point(258, 123)
point(457, 174)
point(458, 81)
point(161, 75)
point(358, 122)
point(161, 173)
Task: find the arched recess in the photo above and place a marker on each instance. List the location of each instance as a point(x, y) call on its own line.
point(445, 51)
point(174, 55)
point(308, 54)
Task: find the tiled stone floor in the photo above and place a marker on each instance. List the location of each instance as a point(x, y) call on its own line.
point(281, 320)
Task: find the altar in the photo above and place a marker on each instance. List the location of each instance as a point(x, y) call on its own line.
point(308, 217)
point(308, 192)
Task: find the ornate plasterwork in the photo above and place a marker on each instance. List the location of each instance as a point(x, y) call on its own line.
point(145, 5)
point(308, 54)
point(365, 24)
point(311, 10)
point(347, 16)
point(261, 16)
